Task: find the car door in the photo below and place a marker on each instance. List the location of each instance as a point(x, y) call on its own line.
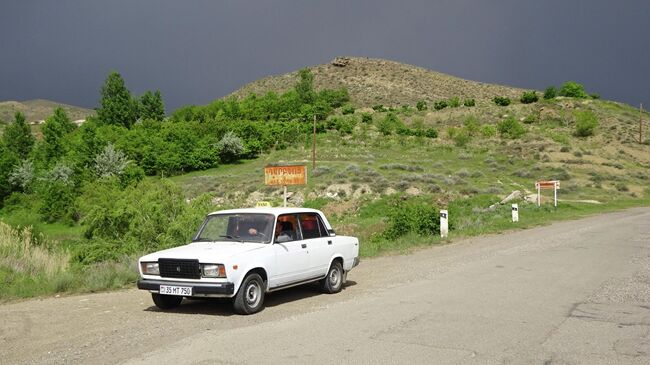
point(291, 256)
point(319, 243)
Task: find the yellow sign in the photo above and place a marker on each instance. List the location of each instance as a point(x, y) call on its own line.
point(285, 175)
point(262, 204)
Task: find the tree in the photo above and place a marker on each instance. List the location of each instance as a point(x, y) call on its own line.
point(152, 106)
point(23, 175)
point(305, 87)
point(550, 93)
point(110, 162)
point(7, 161)
point(117, 105)
point(18, 138)
point(230, 147)
point(573, 89)
point(54, 130)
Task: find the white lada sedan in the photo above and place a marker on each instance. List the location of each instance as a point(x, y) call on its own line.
point(245, 253)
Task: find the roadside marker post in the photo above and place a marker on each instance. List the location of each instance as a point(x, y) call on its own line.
point(444, 223)
point(515, 212)
point(283, 175)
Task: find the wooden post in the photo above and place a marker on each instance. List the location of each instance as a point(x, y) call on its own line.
point(313, 146)
point(285, 196)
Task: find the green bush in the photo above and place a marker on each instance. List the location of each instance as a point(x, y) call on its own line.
point(347, 109)
point(431, 133)
point(550, 93)
point(453, 102)
point(586, 123)
point(471, 125)
point(390, 124)
point(510, 128)
point(501, 100)
point(529, 97)
point(379, 108)
point(469, 102)
point(421, 105)
point(573, 89)
point(417, 215)
point(439, 105)
point(488, 131)
point(461, 138)
point(594, 96)
point(366, 117)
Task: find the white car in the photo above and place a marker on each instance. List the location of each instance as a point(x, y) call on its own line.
point(244, 253)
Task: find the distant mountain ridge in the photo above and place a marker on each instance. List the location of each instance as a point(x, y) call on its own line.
point(40, 109)
point(373, 81)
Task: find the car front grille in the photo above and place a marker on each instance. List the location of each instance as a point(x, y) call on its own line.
point(176, 268)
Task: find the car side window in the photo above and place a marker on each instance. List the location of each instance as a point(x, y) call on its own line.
point(311, 226)
point(286, 228)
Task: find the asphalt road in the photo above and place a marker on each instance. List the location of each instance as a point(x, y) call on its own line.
point(570, 293)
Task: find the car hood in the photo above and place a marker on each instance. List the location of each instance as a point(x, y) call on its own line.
point(205, 251)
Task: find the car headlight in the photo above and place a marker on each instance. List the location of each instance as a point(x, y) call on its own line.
point(213, 271)
point(150, 268)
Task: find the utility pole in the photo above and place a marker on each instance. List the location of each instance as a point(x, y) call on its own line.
point(313, 146)
point(641, 123)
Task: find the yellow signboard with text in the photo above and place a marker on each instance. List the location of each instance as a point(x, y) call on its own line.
point(285, 175)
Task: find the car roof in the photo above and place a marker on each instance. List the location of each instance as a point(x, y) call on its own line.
point(268, 210)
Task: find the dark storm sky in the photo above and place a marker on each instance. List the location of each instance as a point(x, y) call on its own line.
point(196, 51)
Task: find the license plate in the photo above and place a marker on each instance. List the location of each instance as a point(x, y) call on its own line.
point(185, 291)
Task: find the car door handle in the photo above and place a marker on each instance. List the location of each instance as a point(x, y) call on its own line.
point(329, 242)
point(304, 245)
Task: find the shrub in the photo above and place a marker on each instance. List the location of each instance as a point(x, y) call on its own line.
point(529, 97)
point(347, 109)
point(390, 124)
point(594, 96)
point(573, 89)
point(439, 105)
point(530, 119)
point(23, 175)
point(366, 117)
point(510, 128)
point(550, 93)
point(565, 149)
point(412, 215)
point(471, 125)
point(461, 138)
point(488, 131)
point(231, 147)
point(110, 162)
point(454, 102)
point(501, 100)
point(586, 123)
point(469, 102)
point(379, 108)
point(421, 105)
point(431, 133)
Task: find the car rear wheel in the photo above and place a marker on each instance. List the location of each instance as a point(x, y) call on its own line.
point(333, 282)
point(250, 296)
point(166, 301)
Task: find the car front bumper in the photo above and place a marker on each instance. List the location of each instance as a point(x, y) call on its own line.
point(198, 289)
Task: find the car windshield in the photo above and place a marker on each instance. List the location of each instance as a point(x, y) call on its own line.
point(241, 227)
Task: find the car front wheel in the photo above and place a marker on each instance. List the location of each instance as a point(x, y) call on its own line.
point(166, 301)
point(333, 282)
point(250, 296)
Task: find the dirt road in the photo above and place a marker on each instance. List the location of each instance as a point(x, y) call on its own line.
point(571, 292)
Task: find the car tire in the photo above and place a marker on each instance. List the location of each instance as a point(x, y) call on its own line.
point(333, 282)
point(166, 301)
point(250, 296)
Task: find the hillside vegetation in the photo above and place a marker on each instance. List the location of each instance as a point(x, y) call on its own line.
point(131, 180)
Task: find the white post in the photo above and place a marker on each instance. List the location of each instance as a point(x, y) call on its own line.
point(539, 196)
point(444, 223)
point(555, 193)
point(285, 196)
point(515, 212)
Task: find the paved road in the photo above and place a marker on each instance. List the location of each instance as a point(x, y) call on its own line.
point(569, 293)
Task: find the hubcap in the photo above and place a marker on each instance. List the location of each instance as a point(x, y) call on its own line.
point(253, 294)
point(335, 277)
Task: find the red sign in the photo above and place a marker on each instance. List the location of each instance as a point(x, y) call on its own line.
point(285, 175)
